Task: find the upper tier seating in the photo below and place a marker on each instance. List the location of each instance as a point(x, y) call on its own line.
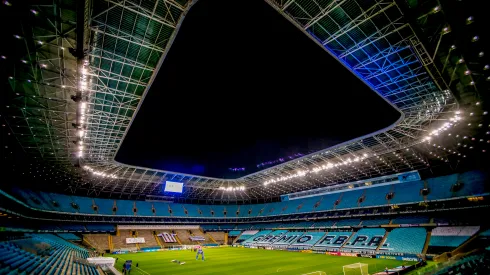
point(350, 199)
point(406, 240)
point(407, 192)
point(473, 183)
point(376, 196)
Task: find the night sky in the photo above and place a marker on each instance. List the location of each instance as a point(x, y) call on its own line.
point(242, 86)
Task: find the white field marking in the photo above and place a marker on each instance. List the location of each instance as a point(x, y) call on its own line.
point(315, 272)
point(278, 269)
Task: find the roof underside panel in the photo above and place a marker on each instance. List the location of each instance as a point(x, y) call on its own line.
point(129, 39)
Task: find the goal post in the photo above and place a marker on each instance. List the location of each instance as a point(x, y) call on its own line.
point(356, 269)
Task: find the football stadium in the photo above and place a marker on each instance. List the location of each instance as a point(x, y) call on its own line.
point(301, 137)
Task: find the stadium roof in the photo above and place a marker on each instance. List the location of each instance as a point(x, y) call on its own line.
point(80, 70)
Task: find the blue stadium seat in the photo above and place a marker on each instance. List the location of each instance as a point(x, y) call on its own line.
point(104, 206)
point(205, 210)
point(334, 239)
point(262, 233)
point(234, 233)
point(69, 236)
point(218, 210)
point(192, 210)
point(405, 240)
point(473, 184)
point(440, 187)
point(366, 239)
point(323, 224)
point(406, 192)
point(125, 207)
point(177, 210)
point(64, 202)
point(309, 205)
point(447, 241)
point(315, 237)
point(85, 204)
point(161, 209)
point(349, 199)
point(144, 208)
point(292, 206)
point(376, 196)
point(243, 210)
point(327, 202)
point(256, 209)
point(57, 259)
point(347, 222)
point(231, 210)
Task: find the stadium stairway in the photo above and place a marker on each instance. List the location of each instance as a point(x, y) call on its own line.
point(210, 237)
point(237, 237)
point(158, 241)
point(427, 241)
point(382, 240)
point(178, 239)
point(468, 245)
point(111, 244)
point(348, 240)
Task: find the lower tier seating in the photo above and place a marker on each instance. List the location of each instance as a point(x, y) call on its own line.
point(98, 241)
point(406, 240)
point(43, 254)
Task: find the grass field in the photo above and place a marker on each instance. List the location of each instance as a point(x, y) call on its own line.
point(245, 261)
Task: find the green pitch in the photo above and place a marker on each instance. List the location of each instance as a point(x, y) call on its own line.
point(245, 261)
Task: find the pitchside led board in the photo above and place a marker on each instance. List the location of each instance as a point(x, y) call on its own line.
point(172, 186)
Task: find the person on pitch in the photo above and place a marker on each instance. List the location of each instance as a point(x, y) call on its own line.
point(200, 251)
